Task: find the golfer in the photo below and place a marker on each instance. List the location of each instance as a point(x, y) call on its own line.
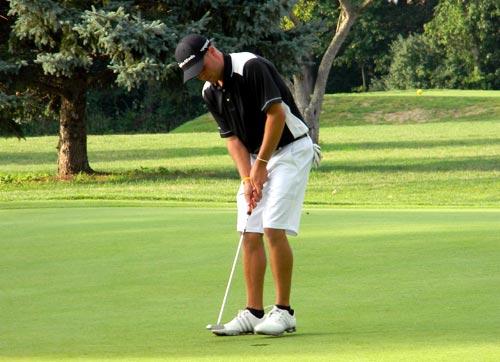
point(269, 144)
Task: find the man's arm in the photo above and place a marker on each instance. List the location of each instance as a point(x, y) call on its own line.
point(275, 123)
point(240, 155)
point(241, 159)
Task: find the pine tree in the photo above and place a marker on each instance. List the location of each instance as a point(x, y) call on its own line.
point(61, 49)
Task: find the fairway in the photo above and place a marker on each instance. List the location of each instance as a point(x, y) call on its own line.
point(80, 283)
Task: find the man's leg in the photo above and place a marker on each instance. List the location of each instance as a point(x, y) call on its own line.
point(281, 258)
point(254, 268)
point(281, 318)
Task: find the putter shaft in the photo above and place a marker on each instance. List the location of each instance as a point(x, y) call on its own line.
point(249, 212)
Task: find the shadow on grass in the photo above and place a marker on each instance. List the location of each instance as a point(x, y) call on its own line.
point(156, 154)
point(355, 146)
point(127, 177)
point(35, 158)
point(162, 173)
point(490, 163)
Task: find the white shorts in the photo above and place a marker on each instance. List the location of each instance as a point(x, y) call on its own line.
point(283, 193)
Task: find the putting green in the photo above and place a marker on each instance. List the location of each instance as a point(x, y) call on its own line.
point(140, 284)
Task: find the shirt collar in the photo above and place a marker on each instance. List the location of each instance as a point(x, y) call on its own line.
point(228, 68)
point(228, 72)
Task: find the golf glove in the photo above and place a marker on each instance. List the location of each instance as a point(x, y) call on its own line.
point(317, 155)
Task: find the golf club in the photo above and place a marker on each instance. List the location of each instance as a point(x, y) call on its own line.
point(219, 326)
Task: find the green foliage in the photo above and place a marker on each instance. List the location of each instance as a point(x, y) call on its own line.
point(304, 11)
point(52, 42)
point(137, 48)
point(68, 41)
point(251, 25)
point(9, 106)
point(320, 17)
point(467, 33)
point(10, 68)
point(18, 110)
point(38, 20)
point(150, 108)
point(457, 50)
point(413, 65)
point(108, 42)
point(367, 49)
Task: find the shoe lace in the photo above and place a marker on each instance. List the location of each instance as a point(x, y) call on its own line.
point(278, 315)
point(243, 313)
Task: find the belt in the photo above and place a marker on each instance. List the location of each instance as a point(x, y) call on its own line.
point(300, 137)
point(279, 148)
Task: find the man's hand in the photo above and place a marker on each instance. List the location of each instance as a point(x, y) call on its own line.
point(258, 177)
point(250, 195)
point(275, 123)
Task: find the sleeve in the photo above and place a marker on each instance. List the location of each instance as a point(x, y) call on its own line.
point(214, 105)
point(262, 84)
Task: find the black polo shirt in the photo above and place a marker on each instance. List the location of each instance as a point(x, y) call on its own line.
point(251, 84)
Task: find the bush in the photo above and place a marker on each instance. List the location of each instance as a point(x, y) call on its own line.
point(152, 108)
point(413, 63)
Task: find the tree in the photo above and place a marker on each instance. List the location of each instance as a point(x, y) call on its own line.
point(61, 49)
point(251, 25)
point(309, 90)
point(414, 64)
point(367, 46)
point(467, 33)
point(64, 48)
point(458, 49)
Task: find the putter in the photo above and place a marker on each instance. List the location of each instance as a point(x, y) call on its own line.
point(219, 326)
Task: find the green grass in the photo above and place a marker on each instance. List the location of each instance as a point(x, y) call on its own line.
point(397, 258)
point(140, 284)
point(408, 107)
point(375, 154)
point(395, 107)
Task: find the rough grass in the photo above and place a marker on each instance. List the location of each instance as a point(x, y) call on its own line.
point(395, 107)
point(392, 149)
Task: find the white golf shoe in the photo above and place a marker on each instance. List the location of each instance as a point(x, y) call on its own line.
point(276, 322)
point(243, 323)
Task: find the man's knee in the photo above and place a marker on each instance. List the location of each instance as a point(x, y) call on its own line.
point(275, 236)
point(253, 241)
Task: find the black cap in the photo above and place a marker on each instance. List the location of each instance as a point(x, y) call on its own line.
point(189, 55)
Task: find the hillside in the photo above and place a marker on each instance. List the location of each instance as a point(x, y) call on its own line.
point(392, 108)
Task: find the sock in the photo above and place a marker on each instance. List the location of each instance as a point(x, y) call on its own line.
point(284, 307)
point(259, 313)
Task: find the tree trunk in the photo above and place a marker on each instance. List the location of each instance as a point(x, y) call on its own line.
point(302, 87)
point(312, 108)
point(363, 77)
point(72, 147)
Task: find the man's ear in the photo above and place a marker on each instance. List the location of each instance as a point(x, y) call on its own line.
point(211, 49)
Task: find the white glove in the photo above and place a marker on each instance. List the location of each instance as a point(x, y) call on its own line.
point(317, 155)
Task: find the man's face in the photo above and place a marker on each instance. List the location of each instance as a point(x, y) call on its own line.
point(210, 72)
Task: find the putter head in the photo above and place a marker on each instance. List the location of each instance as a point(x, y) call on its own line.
point(214, 327)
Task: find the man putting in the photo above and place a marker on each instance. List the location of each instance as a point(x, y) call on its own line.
point(269, 144)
